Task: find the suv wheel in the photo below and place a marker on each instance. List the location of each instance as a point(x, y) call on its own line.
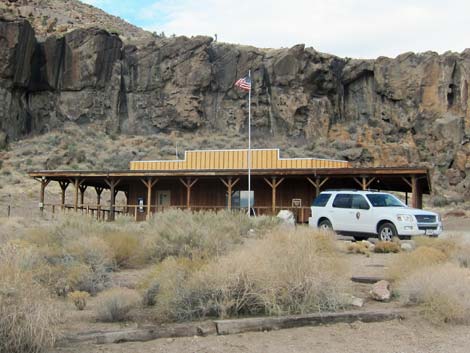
point(387, 231)
point(325, 225)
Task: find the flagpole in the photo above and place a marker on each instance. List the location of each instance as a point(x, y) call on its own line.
point(249, 145)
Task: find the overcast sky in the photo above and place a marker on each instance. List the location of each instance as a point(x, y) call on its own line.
point(348, 28)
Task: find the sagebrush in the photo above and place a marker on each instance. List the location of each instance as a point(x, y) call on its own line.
point(28, 316)
point(287, 272)
point(442, 293)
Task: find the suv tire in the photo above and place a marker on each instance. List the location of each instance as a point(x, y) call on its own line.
point(387, 231)
point(325, 225)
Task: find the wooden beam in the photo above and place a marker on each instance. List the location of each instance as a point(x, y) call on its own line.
point(44, 182)
point(189, 183)
point(371, 180)
point(408, 182)
point(363, 182)
point(229, 184)
point(274, 184)
point(99, 191)
point(416, 196)
point(82, 193)
point(63, 186)
point(149, 183)
point(76, 182)
point(112, 183)
point(318, 183)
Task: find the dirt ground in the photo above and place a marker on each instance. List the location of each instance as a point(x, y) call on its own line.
point(411, 335)
point(406, 336)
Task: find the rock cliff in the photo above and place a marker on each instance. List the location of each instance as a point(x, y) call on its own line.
point(410, 110)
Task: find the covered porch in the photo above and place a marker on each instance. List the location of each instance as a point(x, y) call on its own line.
point(148, 192)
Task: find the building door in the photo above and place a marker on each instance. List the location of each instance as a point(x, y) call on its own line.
point(163, 199)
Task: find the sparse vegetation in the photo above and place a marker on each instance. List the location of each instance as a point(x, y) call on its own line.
point(360, 247)
point(79, 299)
point(284, 273)
point(116, 303)
point(27, 313)
point(387, 247)
point(442, 293)
point(405, 264)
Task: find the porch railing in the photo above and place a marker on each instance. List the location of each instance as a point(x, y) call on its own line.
point(139, 212)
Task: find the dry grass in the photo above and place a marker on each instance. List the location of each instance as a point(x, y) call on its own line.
point(79, 299)
point(27, 314)
point(385, 247)
point(405, 264)
point(442, 293)
point(359, 247)
point(287, 272)
point(202, 234)
point(446, 245)
point(115, 304)
point(80, 253)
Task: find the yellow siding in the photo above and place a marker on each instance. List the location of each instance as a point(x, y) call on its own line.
point(236, 159)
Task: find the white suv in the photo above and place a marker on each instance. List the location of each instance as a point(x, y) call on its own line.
point(368, 213)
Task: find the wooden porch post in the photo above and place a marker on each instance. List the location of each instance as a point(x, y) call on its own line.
point(82, 193)
point(149, 183)
point(229, 184)
point(98, 190)
point(417, 196)
point(76, 183)
point(274, 184)
point(44, 182)
point(63, 187)
point(317, 183)
point(189, 183)
point(112, 183)
point(364, 183)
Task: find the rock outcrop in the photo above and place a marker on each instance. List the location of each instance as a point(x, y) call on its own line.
point(413, 109)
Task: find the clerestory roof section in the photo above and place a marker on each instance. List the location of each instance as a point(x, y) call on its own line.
point(261, 159)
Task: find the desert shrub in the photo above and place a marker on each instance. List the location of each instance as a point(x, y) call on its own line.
point(79, 299)
point(446, 245)
point(127, 248)
point(441, 292)
point(405, 264)
point(202, 234)
point(360, 247)
point(296, 271)
point(116, 303)
point(387, 247)
point(28, 317)
point(461, 253)
point(168, 277)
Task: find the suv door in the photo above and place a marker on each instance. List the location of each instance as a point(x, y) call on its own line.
point(342, 214)
point(363, 220)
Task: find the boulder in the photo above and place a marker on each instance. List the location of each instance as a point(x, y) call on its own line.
point(286, 217)
point(381, 291)
point(406, 247)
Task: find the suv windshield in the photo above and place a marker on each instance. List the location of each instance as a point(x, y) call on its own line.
point(384, 200)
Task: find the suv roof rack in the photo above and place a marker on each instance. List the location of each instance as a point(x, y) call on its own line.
point(357, 190)
point(340, 190)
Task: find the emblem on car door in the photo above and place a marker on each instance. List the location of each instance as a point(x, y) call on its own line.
point(358, 215)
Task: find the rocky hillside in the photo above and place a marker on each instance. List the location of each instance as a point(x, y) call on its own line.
point(410, 110)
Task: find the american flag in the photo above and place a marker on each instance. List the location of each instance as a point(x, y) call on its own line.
point(244, 83)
